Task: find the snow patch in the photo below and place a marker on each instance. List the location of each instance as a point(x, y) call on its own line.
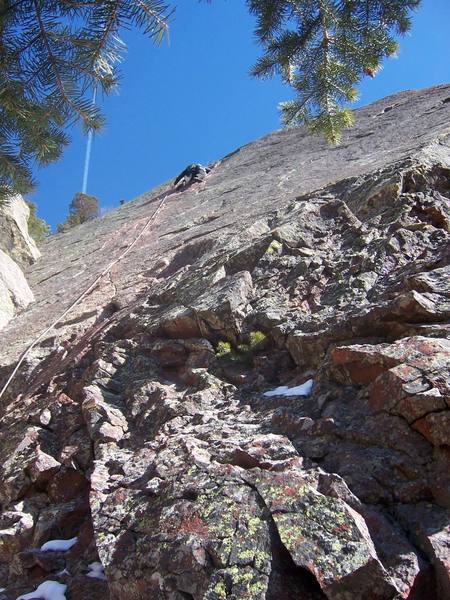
point(300, 390)
point(59, 545)
point(96, 571)
point(49, 590)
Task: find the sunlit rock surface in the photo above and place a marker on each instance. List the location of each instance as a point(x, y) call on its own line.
point(139, 424)
point(17, 249)
point(15, 293)
point(14, 237)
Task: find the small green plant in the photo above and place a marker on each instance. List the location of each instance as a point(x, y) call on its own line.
point(243, 353)
point(258, 340)
point(275, 247)
point(223, 350)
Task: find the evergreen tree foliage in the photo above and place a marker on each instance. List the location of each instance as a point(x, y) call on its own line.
point(82, 208)
point(323, 48)
point(37, 228)
point(52, 54)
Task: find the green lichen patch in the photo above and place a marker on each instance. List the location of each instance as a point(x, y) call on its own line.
point(251, 543)
point(283, 491)
point(234, 582)
point(324, 533)
point(238, 535)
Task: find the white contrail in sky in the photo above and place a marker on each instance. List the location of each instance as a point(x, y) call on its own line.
point(87, 159)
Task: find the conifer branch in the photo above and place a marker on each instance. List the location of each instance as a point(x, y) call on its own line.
point(52, 54)
point(52, 60)
point(322, 49)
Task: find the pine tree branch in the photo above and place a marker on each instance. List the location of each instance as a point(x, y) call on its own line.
point(51, 58)
point(26, 47)
point(35, 74)
point(153, 15)
point(51, 53)
point(323, 48)
point(107, 31)
point(53, 61)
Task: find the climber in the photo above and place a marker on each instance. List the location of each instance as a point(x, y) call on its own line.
point(191, 174)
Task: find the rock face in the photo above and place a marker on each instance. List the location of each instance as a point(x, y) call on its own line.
point(17, 249)
point(140, 426)
point(15, 292)
point(14, 237)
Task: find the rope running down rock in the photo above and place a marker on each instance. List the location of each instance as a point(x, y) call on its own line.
point(87, 291)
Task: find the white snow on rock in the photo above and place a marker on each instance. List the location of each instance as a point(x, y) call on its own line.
point(59, 545)
point(300, 390)
point(96, 571)
point(49, 590)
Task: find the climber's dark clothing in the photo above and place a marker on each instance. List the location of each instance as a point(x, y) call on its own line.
point(192, 173)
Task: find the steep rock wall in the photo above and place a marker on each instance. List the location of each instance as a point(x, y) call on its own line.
point(140, 424)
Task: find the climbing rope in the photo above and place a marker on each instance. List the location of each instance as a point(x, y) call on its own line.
point(83, 295)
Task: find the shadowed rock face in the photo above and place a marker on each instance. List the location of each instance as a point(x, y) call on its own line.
point(140, 424)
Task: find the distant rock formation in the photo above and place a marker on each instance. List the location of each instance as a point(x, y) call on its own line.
point(17, 249)
point(142, 427)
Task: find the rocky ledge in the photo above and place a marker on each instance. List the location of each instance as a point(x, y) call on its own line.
point(255, 403)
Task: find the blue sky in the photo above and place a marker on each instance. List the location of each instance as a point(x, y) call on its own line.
point(193, 101)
